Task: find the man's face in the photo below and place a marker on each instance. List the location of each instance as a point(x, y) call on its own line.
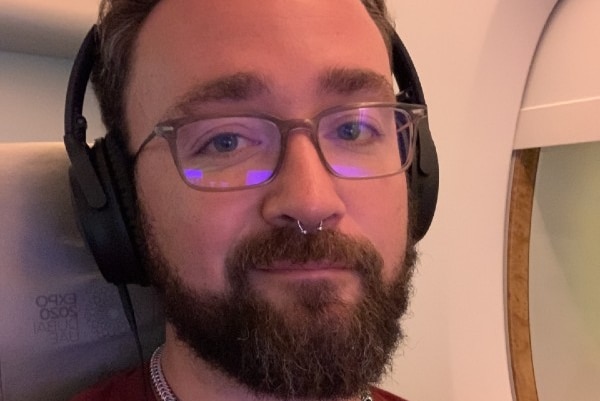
point(186, 54)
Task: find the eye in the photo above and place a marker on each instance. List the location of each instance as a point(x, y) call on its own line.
point(226, 142)
point(350, 130)
point(355, 131)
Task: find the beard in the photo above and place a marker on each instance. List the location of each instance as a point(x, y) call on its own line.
point(316, 346)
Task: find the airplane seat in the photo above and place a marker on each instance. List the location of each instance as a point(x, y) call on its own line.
point(62, 327)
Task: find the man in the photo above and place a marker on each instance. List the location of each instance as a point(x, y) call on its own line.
point(269, 163)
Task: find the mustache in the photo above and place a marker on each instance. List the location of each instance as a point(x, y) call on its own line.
point(288, 244)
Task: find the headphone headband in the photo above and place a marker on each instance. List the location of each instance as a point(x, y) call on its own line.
point(76, 124)
point(405, 73)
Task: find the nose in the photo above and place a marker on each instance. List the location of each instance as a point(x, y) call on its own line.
point(303, 190)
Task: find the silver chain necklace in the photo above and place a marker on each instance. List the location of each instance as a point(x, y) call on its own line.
point(159, 383)
point(164, 391)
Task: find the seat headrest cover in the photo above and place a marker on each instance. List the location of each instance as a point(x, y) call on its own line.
point(62, 326)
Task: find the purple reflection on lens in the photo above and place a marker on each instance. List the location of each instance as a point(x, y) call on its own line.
point(192, 175)
point(350, 171)
point(254, 177)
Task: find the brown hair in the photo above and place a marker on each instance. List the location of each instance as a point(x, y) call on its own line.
point(119, 23)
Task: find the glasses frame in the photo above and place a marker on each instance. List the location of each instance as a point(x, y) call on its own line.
point(168, 130)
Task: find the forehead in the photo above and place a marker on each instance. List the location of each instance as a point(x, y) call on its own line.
point(292, 43)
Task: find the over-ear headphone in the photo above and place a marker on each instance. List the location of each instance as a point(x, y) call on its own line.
point(104, 196)
point(102, 191)
point(423, 176)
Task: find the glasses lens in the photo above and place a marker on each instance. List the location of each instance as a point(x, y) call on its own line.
point(366, 141)
point(228, 152)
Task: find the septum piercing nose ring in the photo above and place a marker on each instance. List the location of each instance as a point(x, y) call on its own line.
point(305, 231)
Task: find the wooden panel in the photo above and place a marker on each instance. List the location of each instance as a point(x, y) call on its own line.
point(519, 229)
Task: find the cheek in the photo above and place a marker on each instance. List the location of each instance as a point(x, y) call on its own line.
point(193, 230)
point(380, 210)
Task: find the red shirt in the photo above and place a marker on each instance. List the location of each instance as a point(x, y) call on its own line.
point(130, 386)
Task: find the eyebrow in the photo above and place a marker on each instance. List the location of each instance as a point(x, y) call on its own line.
point(247, 85)
point(348, 81)
point(235, 87)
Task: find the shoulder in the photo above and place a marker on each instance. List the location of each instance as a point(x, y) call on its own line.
point(125, 386)
point(382, 395)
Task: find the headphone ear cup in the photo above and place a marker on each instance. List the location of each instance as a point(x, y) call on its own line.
point(423, 181)
point(109, 230)
point(423, 175)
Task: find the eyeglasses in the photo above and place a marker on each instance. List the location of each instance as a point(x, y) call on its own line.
point(231, 152)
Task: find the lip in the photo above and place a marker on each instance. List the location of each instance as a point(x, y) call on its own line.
point(303, 271)
point(283, 267)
